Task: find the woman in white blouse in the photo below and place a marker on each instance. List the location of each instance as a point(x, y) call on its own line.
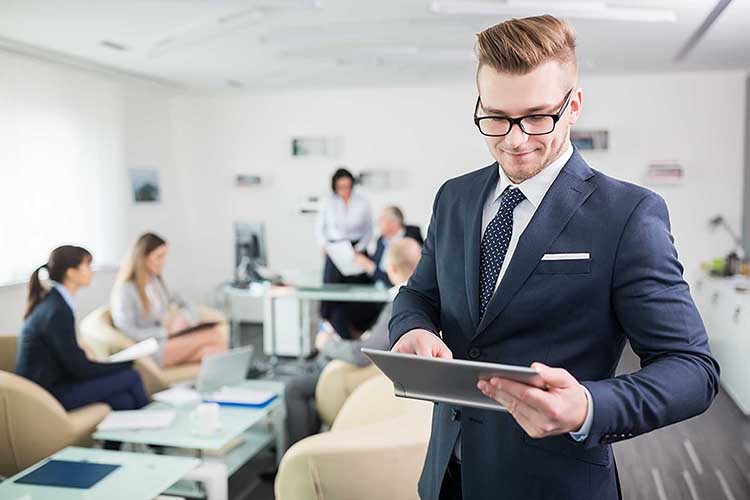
point(344, 216)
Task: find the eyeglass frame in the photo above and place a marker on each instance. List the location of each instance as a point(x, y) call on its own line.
point(517, 121)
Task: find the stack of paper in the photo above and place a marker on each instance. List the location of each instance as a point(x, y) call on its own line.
point(139, 350)
point(240, 396)
point(178, 396)
point(137, 419)
point(342, 255)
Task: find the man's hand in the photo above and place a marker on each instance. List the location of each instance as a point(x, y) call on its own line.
point(364, 262)
point(560, 409)
point(422, 343)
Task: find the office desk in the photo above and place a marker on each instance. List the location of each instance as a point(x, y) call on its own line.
point(140, 477)
point(289, 325)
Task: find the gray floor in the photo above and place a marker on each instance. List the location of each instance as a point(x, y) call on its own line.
point(704, 458)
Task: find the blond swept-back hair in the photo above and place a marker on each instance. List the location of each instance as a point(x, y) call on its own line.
point(518, 46)
point(134, 267)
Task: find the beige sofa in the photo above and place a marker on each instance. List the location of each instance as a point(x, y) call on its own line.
point(336, 383)
point(374, 450)
point(103, 339)
point(33, 424)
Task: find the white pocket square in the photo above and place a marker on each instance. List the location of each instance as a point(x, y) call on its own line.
point(566, 256)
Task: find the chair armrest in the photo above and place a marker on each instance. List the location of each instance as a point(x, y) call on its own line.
point(85, 420)
point(336, 383)
point(152, 376)
point(317, 466)
point(374, 401)
point(210, 314)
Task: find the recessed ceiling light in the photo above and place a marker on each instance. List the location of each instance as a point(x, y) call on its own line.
point(113, 45)
point(573, 9)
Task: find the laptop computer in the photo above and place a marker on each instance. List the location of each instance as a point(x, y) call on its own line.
point(224, 369)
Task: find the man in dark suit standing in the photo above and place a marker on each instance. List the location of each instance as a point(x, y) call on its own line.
point(540, 259)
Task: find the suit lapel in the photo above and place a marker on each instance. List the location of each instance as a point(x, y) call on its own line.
point(564, 197)
point(483, 186)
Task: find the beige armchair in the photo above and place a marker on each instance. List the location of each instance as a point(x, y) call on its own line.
point(336, 383)
point(33, 424)
point(375, 450)
point(101, 336)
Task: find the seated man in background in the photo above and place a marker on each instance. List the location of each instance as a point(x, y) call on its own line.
point(392, 229)
point(302, 417)
point(363, 315)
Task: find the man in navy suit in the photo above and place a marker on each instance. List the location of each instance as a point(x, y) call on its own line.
point(540, 259)
point(392, 228)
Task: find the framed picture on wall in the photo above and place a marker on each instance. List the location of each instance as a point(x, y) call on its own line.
point(144, 184)
point(316, 146)
point(590, 140)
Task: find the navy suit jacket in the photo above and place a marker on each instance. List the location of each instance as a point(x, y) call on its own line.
point(573, 314)
point(379, 274)
point(48, 352)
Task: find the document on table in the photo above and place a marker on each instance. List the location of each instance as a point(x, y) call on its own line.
point(241, 396)
point(342, 255)
point(140, 350)
point(137, 419)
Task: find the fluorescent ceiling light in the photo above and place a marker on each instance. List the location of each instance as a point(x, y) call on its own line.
point(574, 9)
point(366, 54)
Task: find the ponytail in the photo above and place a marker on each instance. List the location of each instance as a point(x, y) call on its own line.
point(36, 292)
point(60, 260)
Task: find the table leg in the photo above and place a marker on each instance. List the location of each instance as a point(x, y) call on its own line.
point(278, 425)
point(214, 477)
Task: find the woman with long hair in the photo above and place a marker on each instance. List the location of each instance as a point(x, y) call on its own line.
point(49, 353)
point(142, 307)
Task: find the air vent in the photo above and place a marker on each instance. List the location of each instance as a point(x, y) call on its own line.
point(113, 45)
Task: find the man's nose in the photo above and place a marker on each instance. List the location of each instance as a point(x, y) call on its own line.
point(516, 137)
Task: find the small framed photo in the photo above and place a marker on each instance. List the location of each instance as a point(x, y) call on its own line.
point(144, 184)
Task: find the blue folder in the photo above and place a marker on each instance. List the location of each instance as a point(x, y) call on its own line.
point(67, 474)
point(256, 406)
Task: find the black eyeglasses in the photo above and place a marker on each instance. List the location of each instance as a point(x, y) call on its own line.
point(498, 126)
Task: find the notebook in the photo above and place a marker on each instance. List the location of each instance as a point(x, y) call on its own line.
point(195, 328)
point(67, 474)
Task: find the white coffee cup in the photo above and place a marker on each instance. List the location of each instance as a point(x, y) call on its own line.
point(205, 419)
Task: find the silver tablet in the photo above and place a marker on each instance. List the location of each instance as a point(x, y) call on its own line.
point(452, 381)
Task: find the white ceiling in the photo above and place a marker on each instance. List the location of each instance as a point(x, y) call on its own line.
point(210, 44)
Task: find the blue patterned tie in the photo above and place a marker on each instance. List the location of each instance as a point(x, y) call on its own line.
point(495, 244)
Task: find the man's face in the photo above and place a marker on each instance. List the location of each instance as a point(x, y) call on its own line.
point(542, 91)
point(388, 224)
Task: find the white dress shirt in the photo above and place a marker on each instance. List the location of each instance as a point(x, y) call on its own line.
point(350, 221)
point(66, 295)
point(534, 189)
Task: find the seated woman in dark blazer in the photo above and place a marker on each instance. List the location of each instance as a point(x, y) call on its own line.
point(49, 353)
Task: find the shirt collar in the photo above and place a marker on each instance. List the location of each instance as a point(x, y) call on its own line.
point(536, 187)
point(67, 297)
point(396, 237)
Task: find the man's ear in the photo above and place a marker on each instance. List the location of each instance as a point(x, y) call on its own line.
point(576, 105)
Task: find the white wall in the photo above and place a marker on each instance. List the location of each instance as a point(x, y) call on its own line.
point(426, 135)
point(68, 139)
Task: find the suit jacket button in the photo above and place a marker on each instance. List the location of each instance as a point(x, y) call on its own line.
point(474, 353)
